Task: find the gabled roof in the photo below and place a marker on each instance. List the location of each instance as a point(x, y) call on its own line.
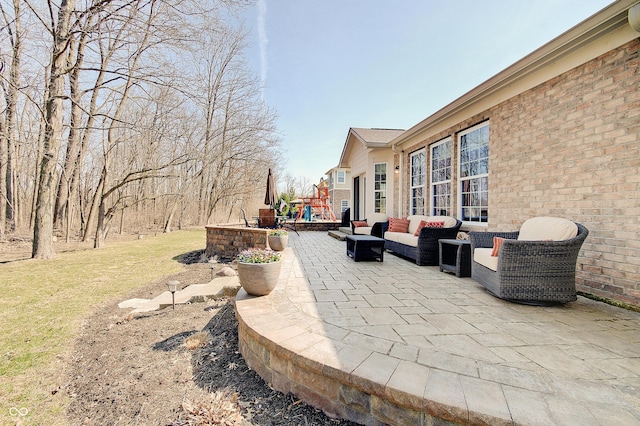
point(370, 138)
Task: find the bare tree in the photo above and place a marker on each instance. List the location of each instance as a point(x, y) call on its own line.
point(43, 225)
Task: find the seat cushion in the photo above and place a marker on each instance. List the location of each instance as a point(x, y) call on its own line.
point(547, 229)
point(362, 230)
point(402, 238)
point(483, 257)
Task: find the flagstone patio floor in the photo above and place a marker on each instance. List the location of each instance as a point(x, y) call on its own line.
point(395, 343)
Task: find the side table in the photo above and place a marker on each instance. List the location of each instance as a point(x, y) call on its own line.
point(455, 256)
point(365, 247)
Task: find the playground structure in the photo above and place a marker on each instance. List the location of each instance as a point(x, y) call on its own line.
point(319, 205)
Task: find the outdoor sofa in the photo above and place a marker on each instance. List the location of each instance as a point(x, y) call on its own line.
point(419, 239)
point(373, 225)
point(536, 265)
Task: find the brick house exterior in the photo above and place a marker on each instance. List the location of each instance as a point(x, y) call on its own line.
point(338, 180)
point(563, 140)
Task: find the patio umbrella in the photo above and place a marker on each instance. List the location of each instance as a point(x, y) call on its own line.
point(270, 196)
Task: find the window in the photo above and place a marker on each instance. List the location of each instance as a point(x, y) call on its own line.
point(441, 178)
point(418, 166)
point(474, 174)
point(341, 177)
point(380, 187)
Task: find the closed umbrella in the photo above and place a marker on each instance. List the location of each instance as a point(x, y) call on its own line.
point(270, 196)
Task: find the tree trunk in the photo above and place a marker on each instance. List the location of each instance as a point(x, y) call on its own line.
point(43, 224)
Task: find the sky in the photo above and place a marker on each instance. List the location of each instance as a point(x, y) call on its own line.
point(328, 65)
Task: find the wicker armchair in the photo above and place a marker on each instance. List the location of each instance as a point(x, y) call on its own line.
point(531, 272)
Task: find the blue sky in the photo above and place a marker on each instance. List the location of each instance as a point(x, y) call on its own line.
point(328, 65)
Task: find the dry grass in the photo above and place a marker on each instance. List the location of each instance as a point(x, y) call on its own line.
point(221, 408)
point(197, 340)
point(44, 301)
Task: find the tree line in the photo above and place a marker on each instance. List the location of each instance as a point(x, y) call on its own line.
point(127, 116)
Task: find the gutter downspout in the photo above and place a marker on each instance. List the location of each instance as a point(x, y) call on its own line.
point(399, 180)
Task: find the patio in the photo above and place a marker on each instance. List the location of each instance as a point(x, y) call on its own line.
point(397, 343)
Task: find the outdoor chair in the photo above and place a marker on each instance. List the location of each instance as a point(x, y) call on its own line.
point(373, 225)
point(536, 265)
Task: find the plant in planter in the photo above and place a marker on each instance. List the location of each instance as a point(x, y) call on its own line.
point(258, 270)
point(278, 239)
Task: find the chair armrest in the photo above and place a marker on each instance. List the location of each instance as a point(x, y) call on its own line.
point(379, 228)
point(485, 239)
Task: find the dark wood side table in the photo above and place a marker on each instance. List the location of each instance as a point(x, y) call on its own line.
point(455, 256)
point(365, 247)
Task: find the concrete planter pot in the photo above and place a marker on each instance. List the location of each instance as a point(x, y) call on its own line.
point(278, 242)
point(259, 279)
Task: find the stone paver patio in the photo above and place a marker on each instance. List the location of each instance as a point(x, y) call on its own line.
point(397, 343)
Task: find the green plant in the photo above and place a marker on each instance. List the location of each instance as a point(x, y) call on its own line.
point(278, 233)
point(258, 255)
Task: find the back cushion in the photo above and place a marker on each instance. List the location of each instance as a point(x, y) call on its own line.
point(417, 218)
point(376, 217)
point(547, 228)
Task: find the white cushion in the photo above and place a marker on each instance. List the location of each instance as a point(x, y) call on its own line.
point(547, 229)
point(483, 257)
point(414, 221)
point(376, 217)
point(402, 238)
point(362, 230)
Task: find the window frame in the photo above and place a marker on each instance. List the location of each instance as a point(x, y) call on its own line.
point(380, 188)
point(477, 181)
point(339, 179)
point(434, 207)
point(417, 204)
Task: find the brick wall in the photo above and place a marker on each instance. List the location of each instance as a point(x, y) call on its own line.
point(570, 148)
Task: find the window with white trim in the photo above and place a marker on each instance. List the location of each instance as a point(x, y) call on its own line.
point(380, 187)
point(418, 172)
point(474, 174)
point(441, 178)
point(344, 204)
point(341, 177)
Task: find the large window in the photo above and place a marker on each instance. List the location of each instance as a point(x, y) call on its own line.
point(418, 172)
point(441, 178)
point(380, 187)
point(474, 174)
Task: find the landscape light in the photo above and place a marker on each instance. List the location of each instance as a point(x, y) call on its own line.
point(173, 286)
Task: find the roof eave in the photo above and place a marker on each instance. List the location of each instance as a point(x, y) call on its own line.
point(608, 19)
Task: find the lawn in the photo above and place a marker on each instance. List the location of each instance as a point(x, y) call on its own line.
point(43, 303)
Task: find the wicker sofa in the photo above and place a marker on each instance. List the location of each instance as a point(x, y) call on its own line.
point(536, 265)
point(422, 248)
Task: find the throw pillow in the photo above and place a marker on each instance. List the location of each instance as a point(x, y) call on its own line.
point(497, 243)
point(435, 225)
point(359, 223)
point(421, 225)
point(398, 225)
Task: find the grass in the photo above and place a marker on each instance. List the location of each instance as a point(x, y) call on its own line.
point(43, 302)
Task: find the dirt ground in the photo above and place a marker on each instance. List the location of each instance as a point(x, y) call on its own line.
point(173, 367)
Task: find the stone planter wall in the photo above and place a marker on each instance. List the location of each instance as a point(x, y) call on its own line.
point(229, 240)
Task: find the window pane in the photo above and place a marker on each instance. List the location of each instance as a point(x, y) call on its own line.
point(474, 170)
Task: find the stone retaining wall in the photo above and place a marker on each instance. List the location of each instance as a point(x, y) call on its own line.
point(229, 240)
